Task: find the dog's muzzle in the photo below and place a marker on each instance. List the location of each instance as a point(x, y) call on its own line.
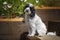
point(27, 11)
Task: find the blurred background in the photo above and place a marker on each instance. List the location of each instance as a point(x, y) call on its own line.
point(12, 26)
point(14, 8)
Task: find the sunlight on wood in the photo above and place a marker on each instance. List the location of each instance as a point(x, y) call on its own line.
point(12, 19)
point(48, 37)
point(45, 7)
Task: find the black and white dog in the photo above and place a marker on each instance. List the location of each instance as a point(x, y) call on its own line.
point(34, 21)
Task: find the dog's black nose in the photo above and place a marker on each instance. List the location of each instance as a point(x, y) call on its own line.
point(26, 10)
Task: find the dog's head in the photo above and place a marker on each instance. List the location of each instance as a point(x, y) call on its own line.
point(29, 10)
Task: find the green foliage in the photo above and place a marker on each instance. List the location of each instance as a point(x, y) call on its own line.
point(17, 6)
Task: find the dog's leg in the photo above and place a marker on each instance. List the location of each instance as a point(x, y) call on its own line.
point(32, 30)
point(41, 29)
point(29, 30)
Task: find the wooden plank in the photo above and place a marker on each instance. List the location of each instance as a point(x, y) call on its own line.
point(37, 7)
point(12, 19)
point(48, 37)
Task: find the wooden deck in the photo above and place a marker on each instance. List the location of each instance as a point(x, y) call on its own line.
point(46, 37)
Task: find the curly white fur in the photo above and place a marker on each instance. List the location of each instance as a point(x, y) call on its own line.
point(36, 24)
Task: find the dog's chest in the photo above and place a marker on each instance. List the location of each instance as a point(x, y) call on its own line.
point(32, 20)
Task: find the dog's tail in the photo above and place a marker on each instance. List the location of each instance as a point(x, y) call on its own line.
point(51, 33)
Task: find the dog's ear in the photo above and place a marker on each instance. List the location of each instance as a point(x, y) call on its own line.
point(27, 5)
point(32, 11)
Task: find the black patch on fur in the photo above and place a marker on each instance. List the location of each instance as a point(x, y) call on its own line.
point(27, 5)
point(32, 12)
